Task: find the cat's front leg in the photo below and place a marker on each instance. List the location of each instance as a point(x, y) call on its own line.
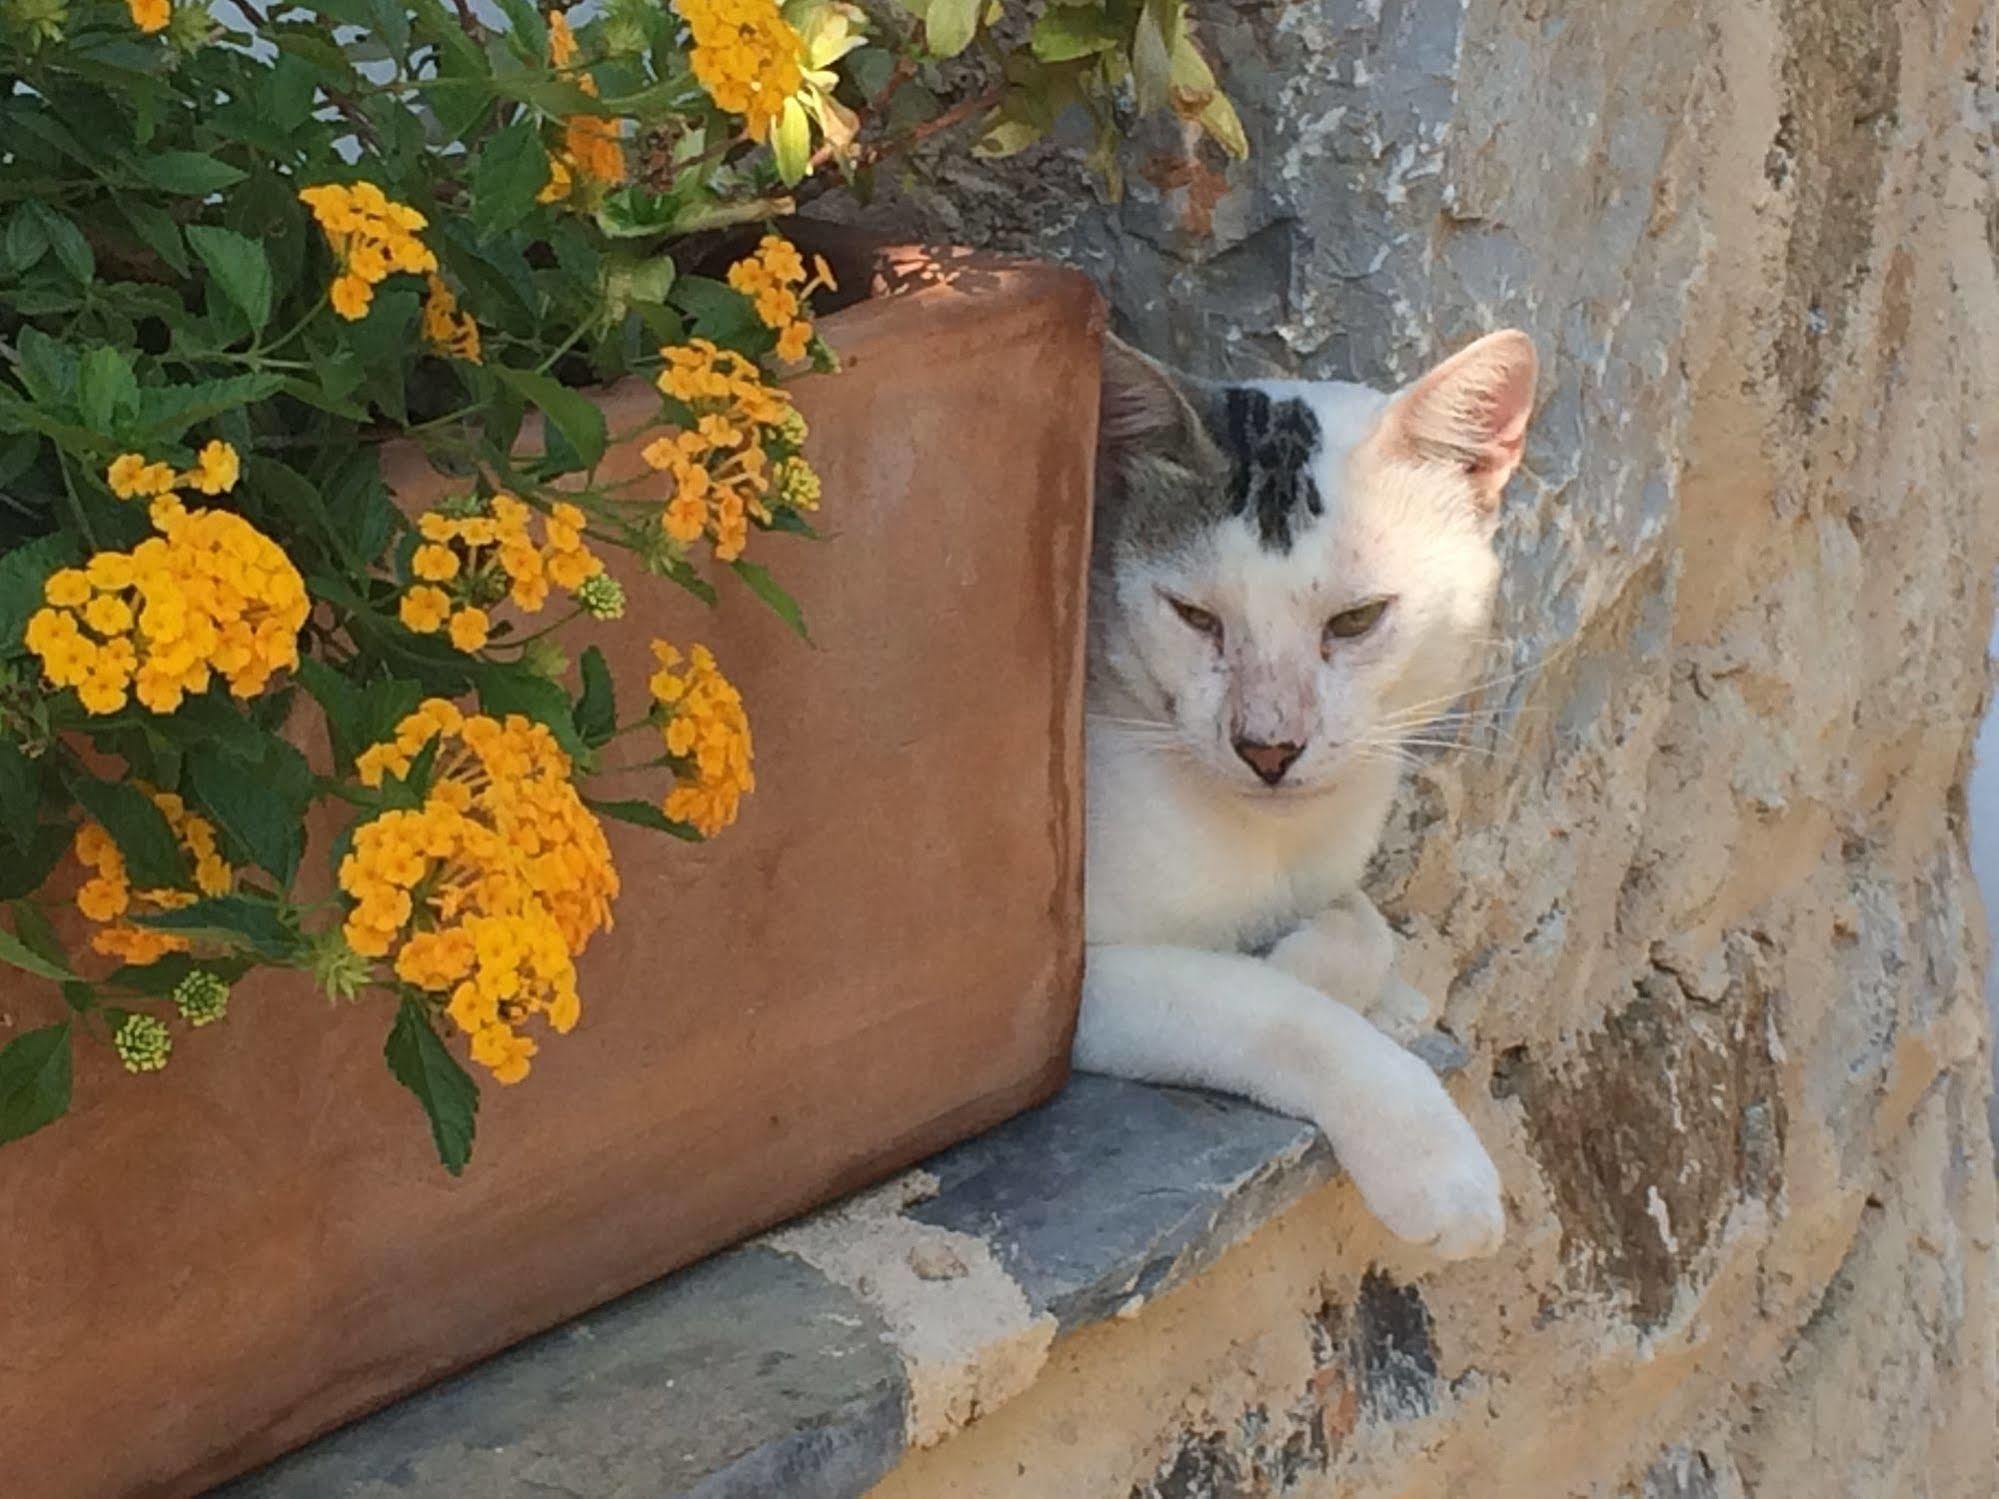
point(1348, 951)
point(1239, 1025)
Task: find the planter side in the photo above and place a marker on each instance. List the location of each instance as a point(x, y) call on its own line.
point(219, 1261)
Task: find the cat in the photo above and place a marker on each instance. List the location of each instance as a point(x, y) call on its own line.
point(1288, 579)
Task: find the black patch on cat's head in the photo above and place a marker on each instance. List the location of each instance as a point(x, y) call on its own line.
point(1270, 446)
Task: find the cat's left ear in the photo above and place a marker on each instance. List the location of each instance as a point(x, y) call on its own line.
point(1471, 412)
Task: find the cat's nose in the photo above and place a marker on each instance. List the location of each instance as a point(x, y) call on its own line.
point(1269, 761)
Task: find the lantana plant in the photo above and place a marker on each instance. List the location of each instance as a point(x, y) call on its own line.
point(241, 249)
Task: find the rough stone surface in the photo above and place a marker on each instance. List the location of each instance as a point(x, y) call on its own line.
point(1695, 892)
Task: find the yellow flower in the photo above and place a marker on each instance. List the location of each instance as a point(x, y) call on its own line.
point(108, 894)
point(504, 1051)
point(130, 475)
point(351, 296)
point(423, 609)
point(774, 279)
point(447, 329)
point(746, 56)
point(561, 40)
point(216, 470)
point(490, 889)
point(731, 468)
point(150, 15)
point(67, 588)
point(108, 614)
point(591, 148)
point(210, 595)
point(559, 183)
point(703, 725)
point(469, 628)
point(434, 563)
point(371, 237)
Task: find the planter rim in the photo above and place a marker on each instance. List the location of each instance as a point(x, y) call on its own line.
point(950, 286)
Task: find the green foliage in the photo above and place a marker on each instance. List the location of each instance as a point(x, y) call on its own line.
point(240, 254)
point(422, 1063)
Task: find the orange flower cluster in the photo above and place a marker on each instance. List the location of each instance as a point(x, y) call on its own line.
point(480, 553)
point(107, 896)
point(592, 151)
point(372, 237)
point(738, 455)
point(746, 56)
point(701, 718)
point(488, 890)
point(150, 16)
point(449, 330)
point(212, 596)
point(774, 279)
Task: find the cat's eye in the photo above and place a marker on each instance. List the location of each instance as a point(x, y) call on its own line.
point(1197, 618)
point(1351, 624)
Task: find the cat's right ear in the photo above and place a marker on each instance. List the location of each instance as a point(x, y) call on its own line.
point(1142, 411)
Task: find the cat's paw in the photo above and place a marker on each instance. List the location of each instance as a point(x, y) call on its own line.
point(1401, 1011)
point(1430, 1181)
point(1346, 951)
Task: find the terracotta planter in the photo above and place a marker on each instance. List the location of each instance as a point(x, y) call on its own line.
point(204, 1268)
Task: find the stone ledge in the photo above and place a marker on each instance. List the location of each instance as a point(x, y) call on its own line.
point(806, 1362)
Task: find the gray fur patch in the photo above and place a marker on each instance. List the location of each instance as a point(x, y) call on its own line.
point(1235, 452)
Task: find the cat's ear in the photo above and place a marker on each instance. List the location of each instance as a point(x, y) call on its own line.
point(1471, 412)
point(1143, 409)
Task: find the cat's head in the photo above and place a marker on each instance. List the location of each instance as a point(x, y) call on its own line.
point(1292, 576)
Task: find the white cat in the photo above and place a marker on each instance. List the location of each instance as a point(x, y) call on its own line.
point(1289, 579)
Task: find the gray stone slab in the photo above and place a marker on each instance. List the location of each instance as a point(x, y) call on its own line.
point(752, 1375)
point(747, 1375)
point(1116, 1189)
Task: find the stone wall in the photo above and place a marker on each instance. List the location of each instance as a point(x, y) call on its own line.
point(1696, 896)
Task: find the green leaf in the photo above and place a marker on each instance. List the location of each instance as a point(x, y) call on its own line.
point(47, 368)
point(765, 587)
point(240, 268)
point(1007, 137)
point(33, 928)
point(40, 853)
point(720, 312)
point(791, 143)
point(20, 795)
point(233, 920)
point(17, 953)
point(167, 411)
point(23, 571)
point(597, 709)
point(34, 1081)
point(340, 700)
point(1070, 31)
point(190, 173)
point(1151, 62)
point(106, 392)
point(421, 1063)
point(71, 249)
point(1197, 97)
point(213, 721)
point(158, 228)
point(644, 815)
point(948, 25)
point(262, 813)
point(26, 240)
point(152, 854)
point(512, 168)
point(572, 414)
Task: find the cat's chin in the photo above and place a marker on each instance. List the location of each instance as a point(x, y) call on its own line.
point(1283, 794)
